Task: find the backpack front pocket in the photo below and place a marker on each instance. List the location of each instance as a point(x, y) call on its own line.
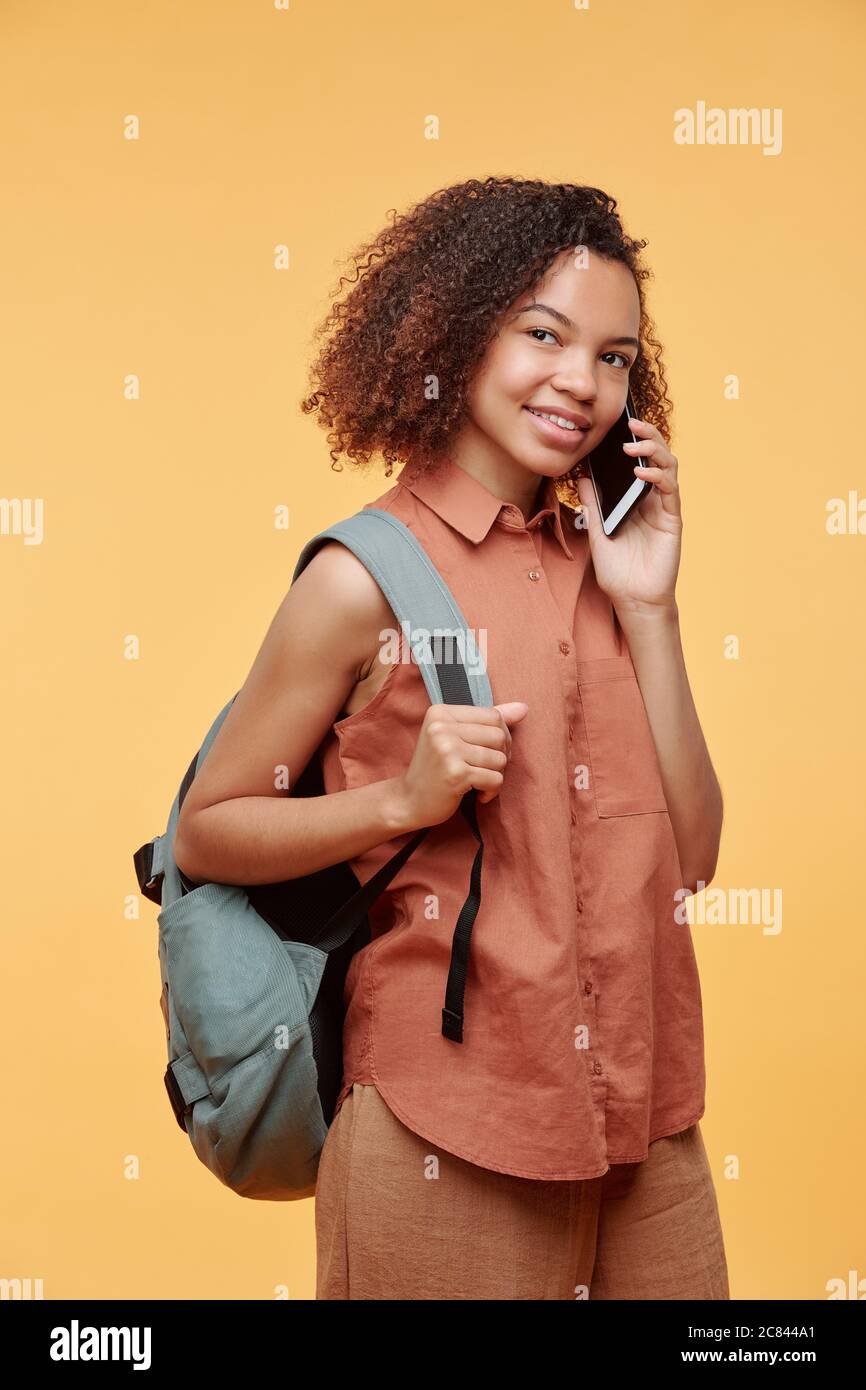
point(235, 985)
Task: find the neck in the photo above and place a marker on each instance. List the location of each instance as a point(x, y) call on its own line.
point(496, 470)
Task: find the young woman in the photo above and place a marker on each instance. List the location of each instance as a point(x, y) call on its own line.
point(489, 341)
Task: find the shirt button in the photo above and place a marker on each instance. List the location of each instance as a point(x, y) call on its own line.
point(596, 1066)
point(564, 648)
point(535, 574)
point(587, 989)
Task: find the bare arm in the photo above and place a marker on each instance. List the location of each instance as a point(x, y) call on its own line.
point(238, 824)
point(691, 787)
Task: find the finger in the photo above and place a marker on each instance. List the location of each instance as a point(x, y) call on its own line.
point(477, 755)
point(644, 427)
point(486, 734)
point(480, 714)
point(478, 722)
point(661, 477)
point(487, 782)
point(649, 448)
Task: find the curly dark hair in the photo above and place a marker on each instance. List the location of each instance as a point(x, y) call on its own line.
point(425, 300)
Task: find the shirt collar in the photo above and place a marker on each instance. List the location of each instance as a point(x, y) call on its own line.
point(468, 506)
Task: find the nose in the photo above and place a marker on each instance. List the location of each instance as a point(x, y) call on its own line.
point(576, 378)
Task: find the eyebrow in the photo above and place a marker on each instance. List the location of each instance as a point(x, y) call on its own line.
point(567, 323)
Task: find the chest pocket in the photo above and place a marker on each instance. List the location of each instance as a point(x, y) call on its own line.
point(624, 770)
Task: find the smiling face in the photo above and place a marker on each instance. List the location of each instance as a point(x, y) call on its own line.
point(564, 348)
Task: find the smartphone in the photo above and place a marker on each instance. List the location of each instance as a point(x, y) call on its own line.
point(617, 490)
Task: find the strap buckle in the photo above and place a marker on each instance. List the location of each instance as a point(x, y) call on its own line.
point(175, 1095)
point(149, 869)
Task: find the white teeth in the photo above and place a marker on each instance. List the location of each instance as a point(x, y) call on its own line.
point(557, 419)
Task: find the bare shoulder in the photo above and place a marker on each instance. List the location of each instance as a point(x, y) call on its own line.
point(338, 591)
point(337, 571)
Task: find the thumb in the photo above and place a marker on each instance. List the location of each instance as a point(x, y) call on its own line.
point(513, 710)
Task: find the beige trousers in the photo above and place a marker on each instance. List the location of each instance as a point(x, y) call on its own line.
point(398, 1218)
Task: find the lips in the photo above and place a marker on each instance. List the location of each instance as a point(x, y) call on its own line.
point(555, 435)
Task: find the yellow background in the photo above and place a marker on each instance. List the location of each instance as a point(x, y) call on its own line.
point(262, 127)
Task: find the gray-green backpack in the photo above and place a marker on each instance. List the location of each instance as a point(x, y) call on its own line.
point(252, 977)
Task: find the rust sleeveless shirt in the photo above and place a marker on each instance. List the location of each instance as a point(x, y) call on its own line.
point(583, 1035)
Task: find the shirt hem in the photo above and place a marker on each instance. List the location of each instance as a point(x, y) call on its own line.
point(479, 1162)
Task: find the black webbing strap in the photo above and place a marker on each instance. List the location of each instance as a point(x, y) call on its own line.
point(452, 1014)
point(455, 691)
point(338, 928)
